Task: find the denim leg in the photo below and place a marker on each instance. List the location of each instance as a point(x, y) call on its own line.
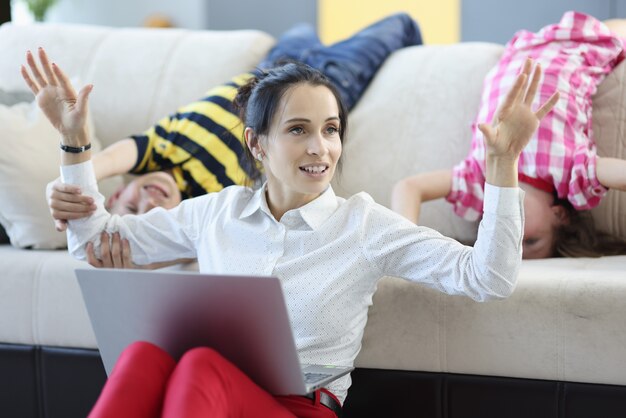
point(295, 44)
point(351, 64)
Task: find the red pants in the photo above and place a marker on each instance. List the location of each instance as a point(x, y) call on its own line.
point(147, 382)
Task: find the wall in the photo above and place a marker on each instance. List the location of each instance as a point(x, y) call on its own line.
point(442, 21)
point(192, 14)
point(498, 20)
point(439, 20)
point(271, 16)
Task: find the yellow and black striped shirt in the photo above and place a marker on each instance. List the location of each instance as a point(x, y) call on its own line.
point(201, 144)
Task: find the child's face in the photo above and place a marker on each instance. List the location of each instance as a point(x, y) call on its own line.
point(303, 145)
point(541, 220)
point(144, 193)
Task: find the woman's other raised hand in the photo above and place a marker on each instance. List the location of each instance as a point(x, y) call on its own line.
point(66, 110)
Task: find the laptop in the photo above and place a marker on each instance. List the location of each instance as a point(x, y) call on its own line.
point(244, 318)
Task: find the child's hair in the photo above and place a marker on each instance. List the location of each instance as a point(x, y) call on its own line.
point(578, 237)
point(258, 100)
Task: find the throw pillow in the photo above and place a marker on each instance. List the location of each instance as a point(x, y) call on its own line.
point(29, 160)
point(9, 98)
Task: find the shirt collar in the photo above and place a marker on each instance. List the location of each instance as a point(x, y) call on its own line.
point(314, 213)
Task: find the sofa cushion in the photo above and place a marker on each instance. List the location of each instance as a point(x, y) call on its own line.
point(40, 300)
point(10, 98)
point(565, 321)
point(30, 159)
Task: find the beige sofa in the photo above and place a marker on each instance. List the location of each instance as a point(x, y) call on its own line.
point(564, 323)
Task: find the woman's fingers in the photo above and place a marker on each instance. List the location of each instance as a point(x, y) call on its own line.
point(526, 70)
point(126, 257)
point(105, 250)
point(547, 106)
point(83, 95)
point(34, 69)
point(113, 254)
point(64, 81)
point(91, 256)
point(66, 204)
point(59, 198)
point(61, 215)
point(534, 84)
point(32, 85)
point(60, 225)
point(513, 94)
point(116, 250)
point(57, 186)
point(45, 64)
point(487, 130)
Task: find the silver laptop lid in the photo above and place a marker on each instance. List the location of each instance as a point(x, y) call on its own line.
point(243, 317)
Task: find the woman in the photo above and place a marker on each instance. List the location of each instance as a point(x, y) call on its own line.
point(327, 251)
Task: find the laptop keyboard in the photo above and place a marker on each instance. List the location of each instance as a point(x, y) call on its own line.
point(315, 377)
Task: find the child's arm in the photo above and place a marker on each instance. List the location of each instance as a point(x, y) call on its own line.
point(117, 158)
point(611, 173)
point(409, 193)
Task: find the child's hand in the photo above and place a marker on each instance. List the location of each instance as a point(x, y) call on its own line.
point(57, 98)
point(515, 122)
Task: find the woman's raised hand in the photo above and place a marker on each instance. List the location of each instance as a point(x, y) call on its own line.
point(66, 110)
point(515, 122)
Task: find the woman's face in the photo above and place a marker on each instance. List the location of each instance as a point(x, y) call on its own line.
point(302, 148)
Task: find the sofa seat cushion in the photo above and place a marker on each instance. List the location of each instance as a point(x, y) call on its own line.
point(40, 301)
point(565, 321)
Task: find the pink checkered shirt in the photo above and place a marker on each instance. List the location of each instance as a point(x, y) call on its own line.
point(575, 55)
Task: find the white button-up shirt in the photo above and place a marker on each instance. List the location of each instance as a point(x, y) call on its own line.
point(328, 254)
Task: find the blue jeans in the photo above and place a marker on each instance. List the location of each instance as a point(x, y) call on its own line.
point(350, 64)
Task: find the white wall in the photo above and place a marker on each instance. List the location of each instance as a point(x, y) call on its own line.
point(190, 14)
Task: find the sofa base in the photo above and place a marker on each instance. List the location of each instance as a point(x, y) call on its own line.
point(396, 393)
point(65, 382)
point(51, 382)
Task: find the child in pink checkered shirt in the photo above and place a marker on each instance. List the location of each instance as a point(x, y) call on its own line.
point(559, 170)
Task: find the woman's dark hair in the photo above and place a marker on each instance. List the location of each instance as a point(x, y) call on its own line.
point(578, 237)
point(258, 100)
